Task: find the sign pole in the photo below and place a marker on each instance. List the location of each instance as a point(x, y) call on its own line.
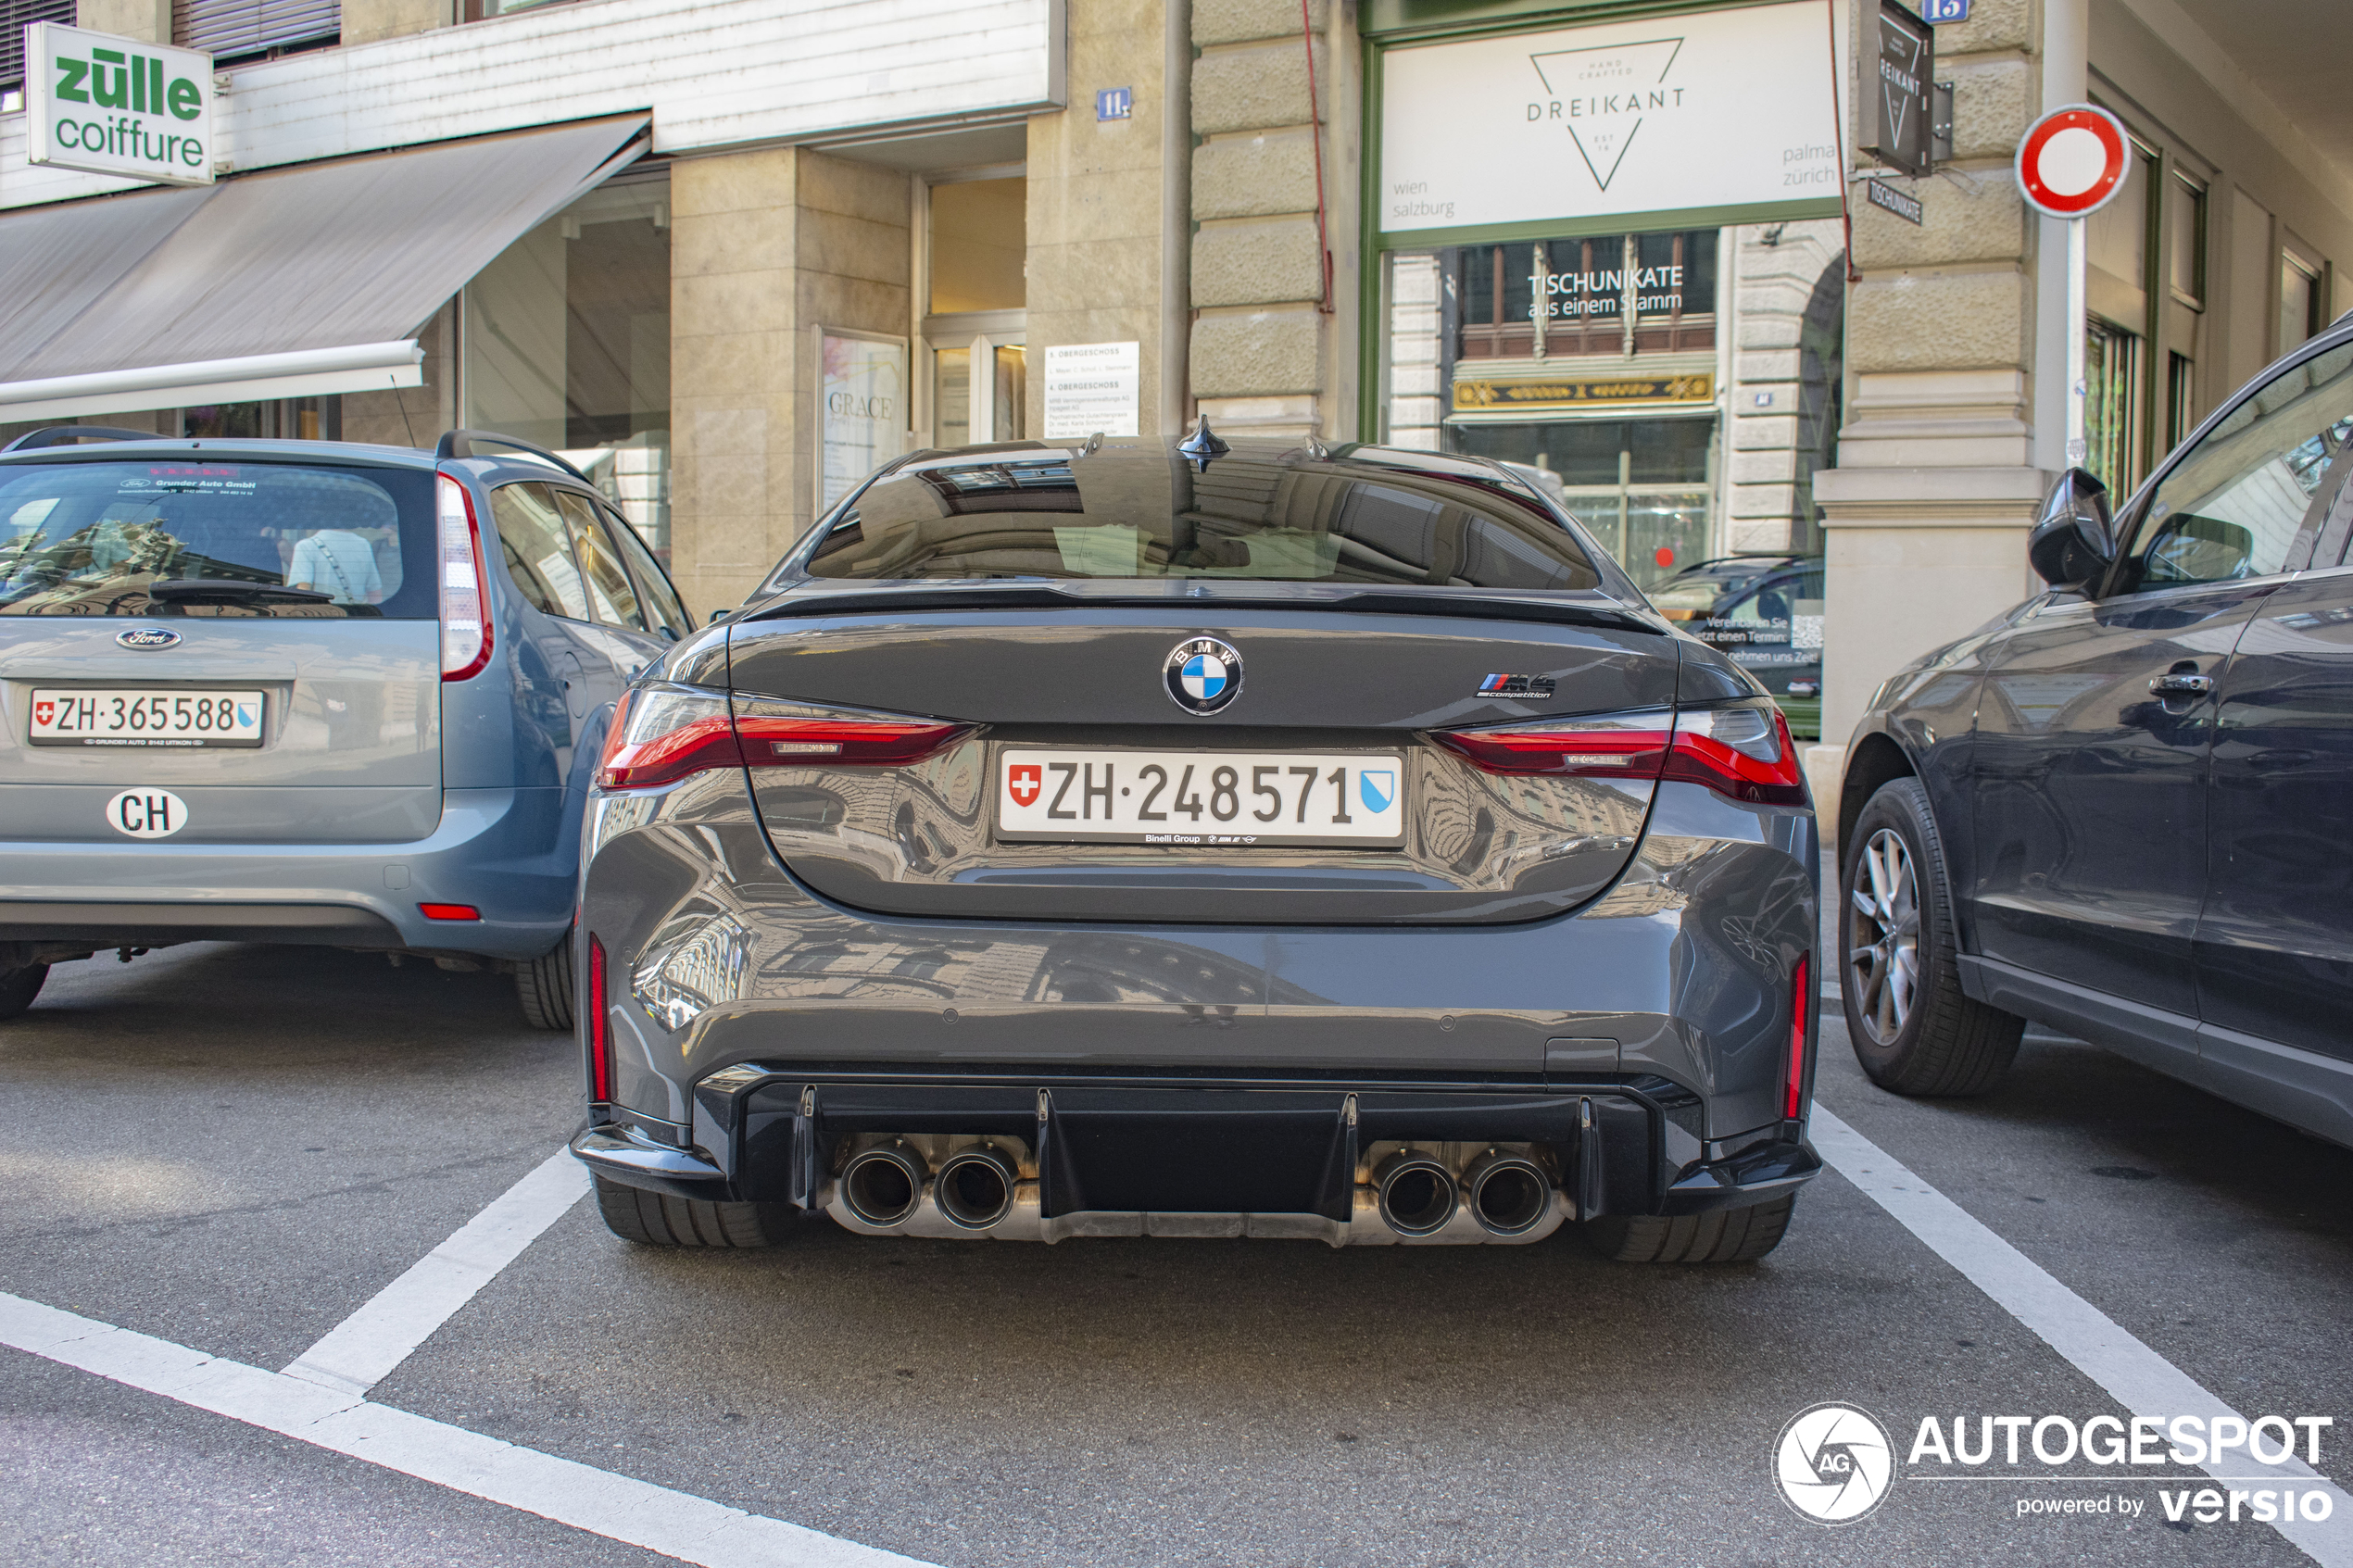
point(2078, 309)
point(2071, 163)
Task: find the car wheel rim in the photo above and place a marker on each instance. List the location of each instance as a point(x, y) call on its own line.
point(1883, 938)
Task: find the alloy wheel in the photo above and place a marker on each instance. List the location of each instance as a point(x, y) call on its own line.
point(1883, 938)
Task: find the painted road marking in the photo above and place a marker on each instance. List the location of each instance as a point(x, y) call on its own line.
point(361, 1351)
point(2135, 1376)
point(620, 1507)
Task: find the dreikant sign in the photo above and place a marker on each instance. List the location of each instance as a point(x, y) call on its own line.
point(1711, 109)
point(105, 105)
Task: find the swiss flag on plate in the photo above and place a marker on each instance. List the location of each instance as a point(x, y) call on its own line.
point(43, 711)
point(1024, 783)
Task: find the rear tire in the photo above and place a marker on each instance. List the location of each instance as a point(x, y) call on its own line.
point(654, 1219)
point(544, 987)
point(1913, 1028)
point(19, 987)
point(1720, 1235)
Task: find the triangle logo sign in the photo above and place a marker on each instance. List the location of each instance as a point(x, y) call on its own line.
point(1607, 91)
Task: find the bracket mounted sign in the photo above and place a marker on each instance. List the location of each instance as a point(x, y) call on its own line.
point(105, 105)
point(1898, 97)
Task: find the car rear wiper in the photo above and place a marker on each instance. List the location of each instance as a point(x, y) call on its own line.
point(227, 590)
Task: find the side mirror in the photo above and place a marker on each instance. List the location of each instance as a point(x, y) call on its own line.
point(2074, 539)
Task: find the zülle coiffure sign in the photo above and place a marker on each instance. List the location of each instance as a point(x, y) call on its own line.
point(114, 106)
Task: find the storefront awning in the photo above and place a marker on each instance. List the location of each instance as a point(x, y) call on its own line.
point(296, 282)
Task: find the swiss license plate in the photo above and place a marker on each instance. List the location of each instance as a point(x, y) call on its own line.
point(1206, 800)
point(146, 716)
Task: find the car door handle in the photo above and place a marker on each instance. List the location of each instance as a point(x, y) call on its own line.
point(2180, 685)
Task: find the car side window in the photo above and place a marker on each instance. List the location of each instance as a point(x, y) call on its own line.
point(653, 584)
point(2237, 502)
point(610, 593)
point(538, 552)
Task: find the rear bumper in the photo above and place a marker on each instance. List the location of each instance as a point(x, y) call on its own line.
point(504, 851)
point(1100, 1155)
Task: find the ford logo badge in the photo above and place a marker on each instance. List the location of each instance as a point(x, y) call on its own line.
point(148, 637)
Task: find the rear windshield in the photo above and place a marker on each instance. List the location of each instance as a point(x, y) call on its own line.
point(148, 538)
point(1141, 513)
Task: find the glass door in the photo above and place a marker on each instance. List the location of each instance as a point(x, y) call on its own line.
point(988, 373)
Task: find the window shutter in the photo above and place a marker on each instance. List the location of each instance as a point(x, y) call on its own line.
point(229, 28)
point(15, 16)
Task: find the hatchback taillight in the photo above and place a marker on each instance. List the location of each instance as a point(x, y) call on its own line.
point(1744, 750)
point(662, 733)
point(465, 596)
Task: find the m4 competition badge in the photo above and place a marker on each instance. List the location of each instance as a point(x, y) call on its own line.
point(1204, 675)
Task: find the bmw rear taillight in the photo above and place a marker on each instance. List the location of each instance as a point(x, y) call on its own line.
point(1800, 1004)
point(465, 594)
point(1742, 750)
point(1614, 745)
point(599, 1040)
point(662, 733)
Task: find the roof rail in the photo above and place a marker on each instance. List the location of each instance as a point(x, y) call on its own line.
point(66, 435)
point(461, 443)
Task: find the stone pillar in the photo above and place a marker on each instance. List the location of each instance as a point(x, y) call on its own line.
point(149, 21)
point(1260, 336)
point(766, 248)
point(1788, 283)
point(1097, 216)
point(1927, 512)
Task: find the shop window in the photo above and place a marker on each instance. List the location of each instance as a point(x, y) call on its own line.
point(1614, 293)
point(1644, 487)
point(2180, 399)
point(565, 340)
point(2110, 359)
point(2116, 238)
point(227, 29)
point(281, 419)
point(2186, 243)
point(2301, 315)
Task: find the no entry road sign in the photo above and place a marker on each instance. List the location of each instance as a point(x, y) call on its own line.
point(2073, 161)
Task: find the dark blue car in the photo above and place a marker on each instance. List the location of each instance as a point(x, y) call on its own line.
point(2125, 809)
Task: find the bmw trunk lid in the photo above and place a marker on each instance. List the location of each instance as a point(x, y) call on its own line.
point(1198, 683)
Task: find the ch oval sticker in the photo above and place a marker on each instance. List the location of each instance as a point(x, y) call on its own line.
point(147, 813)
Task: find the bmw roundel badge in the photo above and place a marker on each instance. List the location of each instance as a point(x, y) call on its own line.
point(1204, 675)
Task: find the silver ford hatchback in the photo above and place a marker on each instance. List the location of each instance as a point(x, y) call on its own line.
point(307, 692)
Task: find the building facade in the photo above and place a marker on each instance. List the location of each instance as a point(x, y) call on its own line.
point(725, 256)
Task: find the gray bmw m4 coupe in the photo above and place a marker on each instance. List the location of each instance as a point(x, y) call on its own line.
point(1199, 839)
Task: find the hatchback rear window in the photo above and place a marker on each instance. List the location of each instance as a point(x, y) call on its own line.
point(1122, 513)
point(281, 540)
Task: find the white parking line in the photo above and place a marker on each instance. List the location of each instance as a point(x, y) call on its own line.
point(358, 1352)
point(2135, 1376)
point(677, 1524)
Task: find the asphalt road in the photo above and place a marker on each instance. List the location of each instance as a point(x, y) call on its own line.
point(232, 1148)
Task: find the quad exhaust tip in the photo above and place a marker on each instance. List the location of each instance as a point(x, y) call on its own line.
point(975, 1187)
point(883, 1184)
point(1509, 1194)
point(1417, 1194)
